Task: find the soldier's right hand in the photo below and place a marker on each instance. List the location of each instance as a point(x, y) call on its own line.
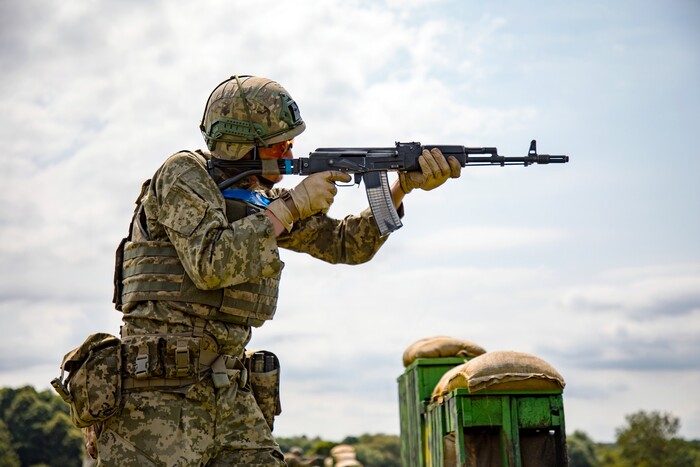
point(316, 192)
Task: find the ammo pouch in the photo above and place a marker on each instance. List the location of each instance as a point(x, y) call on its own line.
point(94, 382)
point(160, 360)
point(264, 377)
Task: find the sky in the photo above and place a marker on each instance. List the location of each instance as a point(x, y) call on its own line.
point(593, 266)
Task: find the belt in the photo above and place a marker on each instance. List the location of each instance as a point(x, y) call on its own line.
point(169, 361)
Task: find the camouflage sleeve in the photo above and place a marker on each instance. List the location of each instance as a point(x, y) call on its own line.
point(353, 240)
point(214, 252)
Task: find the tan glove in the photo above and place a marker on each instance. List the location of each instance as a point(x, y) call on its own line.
point(435, 170)
point(314, 194)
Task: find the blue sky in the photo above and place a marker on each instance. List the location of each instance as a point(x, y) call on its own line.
point(594, 265)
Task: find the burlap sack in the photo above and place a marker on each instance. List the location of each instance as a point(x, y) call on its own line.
point(344, 456)
point(454, 378)
point(342, 450)
point(440, 346)
point(500, 371)
point(504, 370)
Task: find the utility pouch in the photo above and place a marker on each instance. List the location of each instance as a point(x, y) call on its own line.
point(94, 382)
point(143, 356)
point(181, 357)
point(264, 377)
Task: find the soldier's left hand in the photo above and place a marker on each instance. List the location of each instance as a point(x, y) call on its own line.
point(435, 170)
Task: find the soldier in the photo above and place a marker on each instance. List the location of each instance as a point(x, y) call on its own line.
point(200, 268)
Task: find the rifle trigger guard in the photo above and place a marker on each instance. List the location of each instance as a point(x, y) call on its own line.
point(357, 178)
point(356, 181)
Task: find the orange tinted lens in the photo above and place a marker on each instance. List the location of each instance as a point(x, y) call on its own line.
point(284, 147)
point(277, 150)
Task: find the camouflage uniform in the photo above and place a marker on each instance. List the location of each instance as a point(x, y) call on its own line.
point(196, 423)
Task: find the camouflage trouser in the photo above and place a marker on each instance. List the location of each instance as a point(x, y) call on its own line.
point(202, 427)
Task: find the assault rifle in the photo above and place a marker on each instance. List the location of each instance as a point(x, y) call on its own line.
point(372, 165)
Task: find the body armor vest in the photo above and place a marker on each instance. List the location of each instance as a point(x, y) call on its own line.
point(151, 270)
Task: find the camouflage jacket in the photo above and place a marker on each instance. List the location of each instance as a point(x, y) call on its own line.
point(184, 207)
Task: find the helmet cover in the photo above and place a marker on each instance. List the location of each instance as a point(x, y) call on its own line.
point(247, 111)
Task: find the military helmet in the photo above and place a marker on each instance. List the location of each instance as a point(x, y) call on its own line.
point(247, 111)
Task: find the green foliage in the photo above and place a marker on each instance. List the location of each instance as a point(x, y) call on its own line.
point(379, 450)
point(8, 456)
point(610, 455)
point(649, 439)
point(310, 447)
point(372, 450)
point(321, 448)
point(351, 440)
point(40, 429)
point(286, 444)
point(581, 450)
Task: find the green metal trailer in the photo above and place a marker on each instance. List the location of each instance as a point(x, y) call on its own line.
point(415, 388)
point(485, 428)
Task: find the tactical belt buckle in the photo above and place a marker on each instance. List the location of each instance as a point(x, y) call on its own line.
point(227, 370)
point(219, 375)
point(141, 366)
point(220, 380)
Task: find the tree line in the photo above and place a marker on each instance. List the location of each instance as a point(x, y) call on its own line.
point(35, 430)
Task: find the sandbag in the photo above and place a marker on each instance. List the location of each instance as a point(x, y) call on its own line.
point(454, 378)
point(504, 370)
point(344, 456)
point(440, 346)
point(500, 371)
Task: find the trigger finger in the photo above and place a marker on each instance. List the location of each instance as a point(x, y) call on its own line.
point(338, 176)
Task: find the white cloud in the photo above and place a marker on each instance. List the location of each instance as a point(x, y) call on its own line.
point(37, 333)
point(465, 239)
point(644, 293)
